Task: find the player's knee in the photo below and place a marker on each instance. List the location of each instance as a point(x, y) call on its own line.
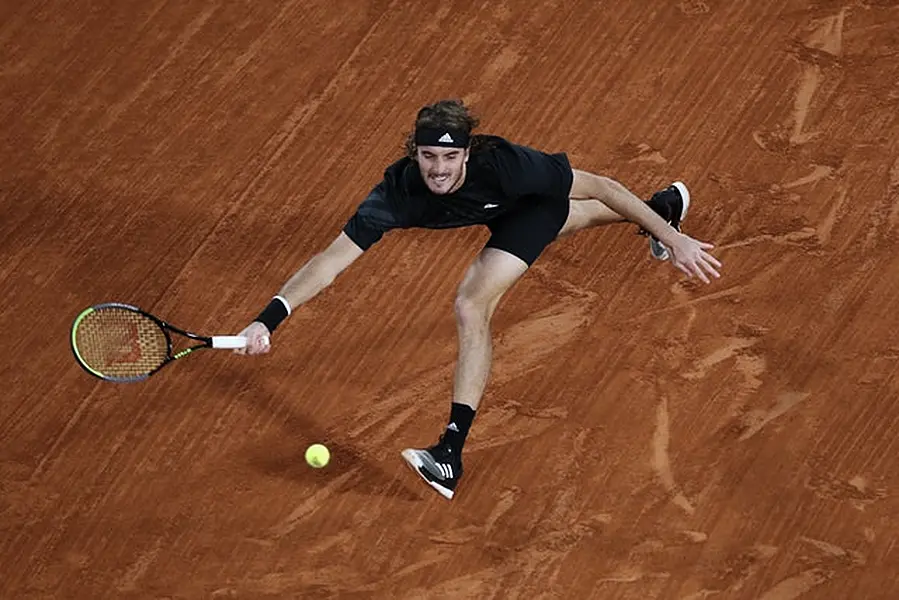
point(471, 310)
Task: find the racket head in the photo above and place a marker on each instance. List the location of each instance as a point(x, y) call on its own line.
point(119, 342)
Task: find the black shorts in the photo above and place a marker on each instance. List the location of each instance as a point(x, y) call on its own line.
point(527, 230)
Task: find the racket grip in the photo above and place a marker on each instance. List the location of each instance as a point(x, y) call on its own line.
point(229, 341)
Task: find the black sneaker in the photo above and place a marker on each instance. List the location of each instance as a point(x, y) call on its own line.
point(437, 465)
point(677, 198)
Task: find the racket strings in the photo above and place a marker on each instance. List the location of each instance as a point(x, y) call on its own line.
point(120, 343)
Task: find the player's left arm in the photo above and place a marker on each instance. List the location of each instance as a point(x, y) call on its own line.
point(589, 186)
point(688, 255)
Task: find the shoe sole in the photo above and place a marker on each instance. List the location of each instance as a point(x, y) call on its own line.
point(415, 463)
point(685, 195)
point(658, 249)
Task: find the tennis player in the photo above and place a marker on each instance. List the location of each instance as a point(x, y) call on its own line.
point(527, 198)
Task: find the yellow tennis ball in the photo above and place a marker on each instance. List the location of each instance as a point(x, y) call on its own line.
point(317, 455)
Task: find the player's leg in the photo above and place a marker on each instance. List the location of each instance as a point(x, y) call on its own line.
point(671, 204)
point(586, 213)
point(583, 214)
point(517, 241)
point(491, 274)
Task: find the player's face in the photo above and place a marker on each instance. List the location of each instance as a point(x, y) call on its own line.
point(443, 169)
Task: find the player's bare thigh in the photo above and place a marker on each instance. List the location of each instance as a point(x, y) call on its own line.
point(583, 214)
point(491, 274)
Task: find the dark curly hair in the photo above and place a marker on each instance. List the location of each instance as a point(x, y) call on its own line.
point(452, 114)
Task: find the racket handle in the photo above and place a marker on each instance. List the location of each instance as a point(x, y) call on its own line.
point(229, 341)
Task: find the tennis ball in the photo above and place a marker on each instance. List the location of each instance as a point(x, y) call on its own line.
point(317, 455)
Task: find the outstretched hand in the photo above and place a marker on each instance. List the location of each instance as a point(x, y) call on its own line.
point(690, 256)
point(258, 339)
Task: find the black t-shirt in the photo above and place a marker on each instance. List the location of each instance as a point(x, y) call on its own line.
point(501, 177)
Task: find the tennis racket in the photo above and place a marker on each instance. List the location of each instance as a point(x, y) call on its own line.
point(122, 343)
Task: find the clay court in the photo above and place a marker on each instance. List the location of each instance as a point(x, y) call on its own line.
point(643, 436)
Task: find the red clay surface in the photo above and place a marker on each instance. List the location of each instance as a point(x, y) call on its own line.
point(642, 436)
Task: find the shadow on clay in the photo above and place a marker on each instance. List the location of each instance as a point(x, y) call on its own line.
point(281, 454)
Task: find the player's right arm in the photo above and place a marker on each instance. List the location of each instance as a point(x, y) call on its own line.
point(372, 219)
point(319, 272)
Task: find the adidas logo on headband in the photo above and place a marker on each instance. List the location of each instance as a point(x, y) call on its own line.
point(446, 137)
